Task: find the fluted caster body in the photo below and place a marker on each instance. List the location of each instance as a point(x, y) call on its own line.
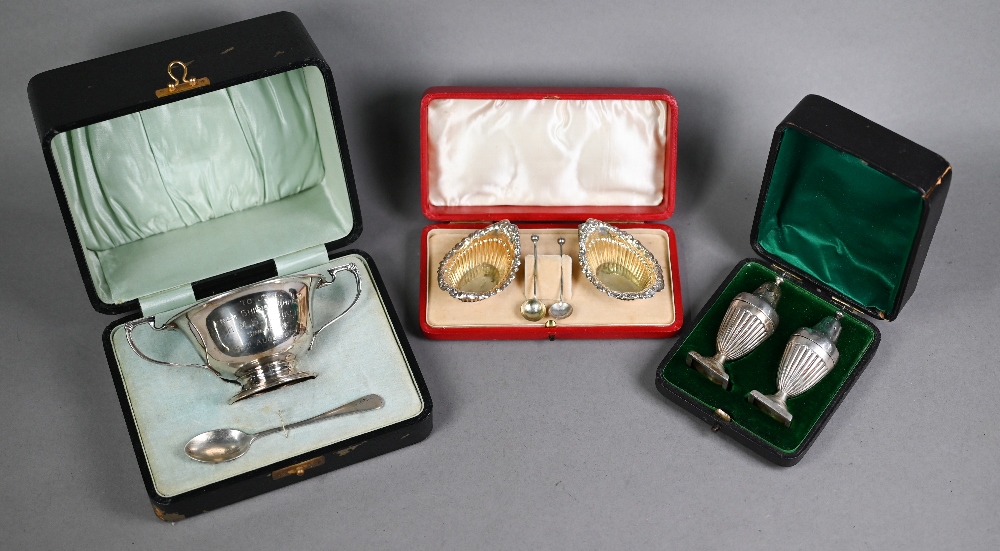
point(810, 354)
point(750, 319)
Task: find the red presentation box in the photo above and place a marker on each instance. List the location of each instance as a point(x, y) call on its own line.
point(548, 159)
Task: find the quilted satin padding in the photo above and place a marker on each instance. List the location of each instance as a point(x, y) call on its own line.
point(550, 152)
point(203, 186)
point(208, 156)
point(836, 218)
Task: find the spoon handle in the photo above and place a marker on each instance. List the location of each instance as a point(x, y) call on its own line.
point(365, 403)
point(561, 241)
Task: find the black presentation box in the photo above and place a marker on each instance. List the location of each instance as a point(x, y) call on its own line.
point(236, 174)
point(846, 215)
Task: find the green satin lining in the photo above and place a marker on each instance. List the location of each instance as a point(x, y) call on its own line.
point(839, 220)
point(208, 156)
point(206, 185)
point(758, 370)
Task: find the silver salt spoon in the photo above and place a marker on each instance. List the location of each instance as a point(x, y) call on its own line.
point(561, 309)
point(533, 309)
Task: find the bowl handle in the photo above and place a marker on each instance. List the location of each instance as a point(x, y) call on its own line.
point(130, 326)
point(351, 267)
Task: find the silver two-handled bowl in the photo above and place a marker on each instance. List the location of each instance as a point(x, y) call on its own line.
point(254, 335)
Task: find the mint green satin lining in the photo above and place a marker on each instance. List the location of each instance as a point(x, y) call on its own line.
point(208, 156)
point(839, 220)
point(206, 185)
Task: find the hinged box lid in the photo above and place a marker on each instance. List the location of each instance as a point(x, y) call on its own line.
point(849, 206)
point(237, 172)
point(548, 154)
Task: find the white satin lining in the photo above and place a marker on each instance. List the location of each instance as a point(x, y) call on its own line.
point(547, 152)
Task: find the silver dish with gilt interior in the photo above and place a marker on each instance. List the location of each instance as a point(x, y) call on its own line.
point(482, 264)
point(617, 264)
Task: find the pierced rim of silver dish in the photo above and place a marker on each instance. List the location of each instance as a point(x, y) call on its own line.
point(503, 226)
point(592, 225)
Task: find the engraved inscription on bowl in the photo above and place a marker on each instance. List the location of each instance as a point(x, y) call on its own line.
point(254, 323)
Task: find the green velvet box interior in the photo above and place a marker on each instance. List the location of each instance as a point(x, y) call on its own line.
point(758, 370)
point(833, 217)
point(205, 185)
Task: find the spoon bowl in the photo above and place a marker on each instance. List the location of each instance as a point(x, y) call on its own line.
point(216, 446)
point(561, 310)
point(533, 309)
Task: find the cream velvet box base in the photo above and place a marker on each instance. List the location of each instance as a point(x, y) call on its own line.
point(547, 159)
point(591, 308)
point(175, 192)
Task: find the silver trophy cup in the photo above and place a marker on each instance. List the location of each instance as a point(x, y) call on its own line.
point(254, 335)
point(809, 355)
point(750, 319)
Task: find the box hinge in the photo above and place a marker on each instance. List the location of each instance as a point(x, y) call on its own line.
point(298, 469)
point(301, 260)
point(171, 299)
point(845, 307)
point(839, 303)
point(938, 183)
point(786, 274)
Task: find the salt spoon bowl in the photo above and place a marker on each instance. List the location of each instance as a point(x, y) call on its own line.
point(220, 445)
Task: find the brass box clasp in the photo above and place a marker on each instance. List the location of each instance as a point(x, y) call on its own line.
point(298, 469)
point(182, 84)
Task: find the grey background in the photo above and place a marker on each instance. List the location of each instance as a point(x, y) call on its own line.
point(550, 444)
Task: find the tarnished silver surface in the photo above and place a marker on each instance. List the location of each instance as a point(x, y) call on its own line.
point(482, 264)
point(616, 263)
point(561, 309)
point(809, 355)
point(219, 445)
point(254, 335)
point(750, 319)
point(533, 309)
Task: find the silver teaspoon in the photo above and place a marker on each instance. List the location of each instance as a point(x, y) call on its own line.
point(219, 445)
point(533, 309)
point(561, 309)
